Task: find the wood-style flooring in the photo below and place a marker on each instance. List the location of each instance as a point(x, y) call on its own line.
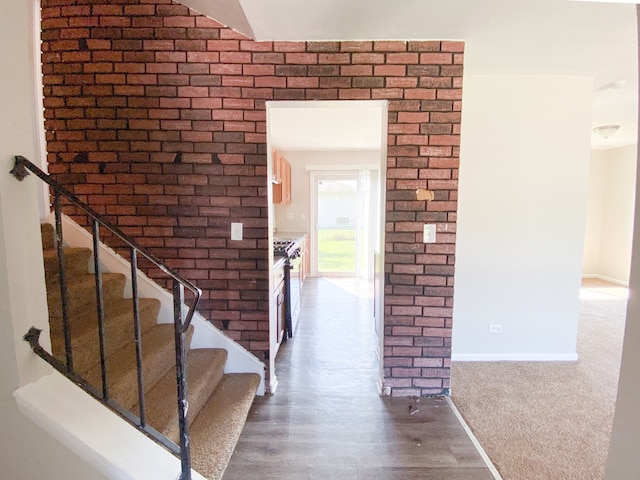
point(327, 421)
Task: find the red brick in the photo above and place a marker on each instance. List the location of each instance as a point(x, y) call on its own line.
point(266, 57)
point(334, 58)
point(354, 94)
point(444, 140)
point(258, 70)
point(356, 46)
point(210, 57)
point(420, 94)
point(368, 58)
point(422, 46)
point(389, 46)
point(302, 82)
point(436, 58)
point(356, 70)
point(457, 47)
point(402, 82)
point(289, 46)
point(301, 58)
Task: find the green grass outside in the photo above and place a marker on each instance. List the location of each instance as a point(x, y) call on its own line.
point(337, 251)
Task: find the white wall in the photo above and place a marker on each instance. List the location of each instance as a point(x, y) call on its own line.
point(617, 216)
point(25, 450)
point(623, 462)
point(522, 207)
point(300, 195)
point(595, 204)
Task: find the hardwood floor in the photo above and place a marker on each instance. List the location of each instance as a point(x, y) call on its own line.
point(327, 420)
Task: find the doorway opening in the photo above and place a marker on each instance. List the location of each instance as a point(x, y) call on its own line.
point(333, 158)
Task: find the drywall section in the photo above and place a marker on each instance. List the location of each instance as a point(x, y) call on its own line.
point(301, 162)
point(25, 450)
point(623, 461)
point(595, 204)
point(523, 195)
point(617, 214)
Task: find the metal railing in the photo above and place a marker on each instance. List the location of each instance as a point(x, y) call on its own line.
point(20, 170)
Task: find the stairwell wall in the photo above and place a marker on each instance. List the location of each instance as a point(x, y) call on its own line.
point(155, 115)
point(25, 450)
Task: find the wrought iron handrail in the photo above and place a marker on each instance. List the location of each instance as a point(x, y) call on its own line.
point(20, 170)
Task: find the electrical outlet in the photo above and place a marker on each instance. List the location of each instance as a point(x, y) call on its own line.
point(290, 215)
point(495, 328)
point(429, 233)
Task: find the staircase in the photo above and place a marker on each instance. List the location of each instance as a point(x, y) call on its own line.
point(218, 402)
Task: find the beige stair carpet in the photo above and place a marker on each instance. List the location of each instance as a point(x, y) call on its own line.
point(218, 403)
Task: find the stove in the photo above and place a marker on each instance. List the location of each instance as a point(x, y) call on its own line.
point(290, 250)
point(284, 248)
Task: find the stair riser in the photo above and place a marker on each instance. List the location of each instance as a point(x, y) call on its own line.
point(76, 261)
point(82, 298)
point(118, 332)
point(48, 236)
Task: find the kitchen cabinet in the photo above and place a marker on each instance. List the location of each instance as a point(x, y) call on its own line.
point(276, 166)
point(281, 179)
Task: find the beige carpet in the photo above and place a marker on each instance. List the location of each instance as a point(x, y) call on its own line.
point(543, 421)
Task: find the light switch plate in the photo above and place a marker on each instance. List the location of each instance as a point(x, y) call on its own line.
point(236, 231)
point(429, 233)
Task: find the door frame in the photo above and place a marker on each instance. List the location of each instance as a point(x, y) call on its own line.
point(382, 106)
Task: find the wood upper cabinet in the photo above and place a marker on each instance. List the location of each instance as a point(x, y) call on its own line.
point(281, 179)
point(276, 166)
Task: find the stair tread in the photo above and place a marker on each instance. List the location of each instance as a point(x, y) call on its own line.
point(205, 368)
point(216, 429)
point(158, 355)
point(81, 293)
point(79, 279)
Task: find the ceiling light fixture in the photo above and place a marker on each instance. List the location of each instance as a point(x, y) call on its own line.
point(605, 131)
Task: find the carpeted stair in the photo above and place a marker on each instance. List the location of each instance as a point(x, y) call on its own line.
point(218, 402)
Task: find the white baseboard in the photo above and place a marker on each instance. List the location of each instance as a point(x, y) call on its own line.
point(514, 357)
point(606, 279)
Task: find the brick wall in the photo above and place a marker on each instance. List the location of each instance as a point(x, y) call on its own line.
point(155, 115)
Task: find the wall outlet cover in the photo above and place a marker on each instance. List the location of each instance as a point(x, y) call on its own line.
point(429, 233)
point(236, 231)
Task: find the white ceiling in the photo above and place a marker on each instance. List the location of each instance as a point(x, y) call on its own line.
point(503, 37)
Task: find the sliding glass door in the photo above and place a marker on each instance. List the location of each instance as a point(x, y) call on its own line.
point(343, 226)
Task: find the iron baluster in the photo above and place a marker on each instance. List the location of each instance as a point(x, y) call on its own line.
point(64, 299)
point(181, 377)
point(137, 334)
point(100, 307)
